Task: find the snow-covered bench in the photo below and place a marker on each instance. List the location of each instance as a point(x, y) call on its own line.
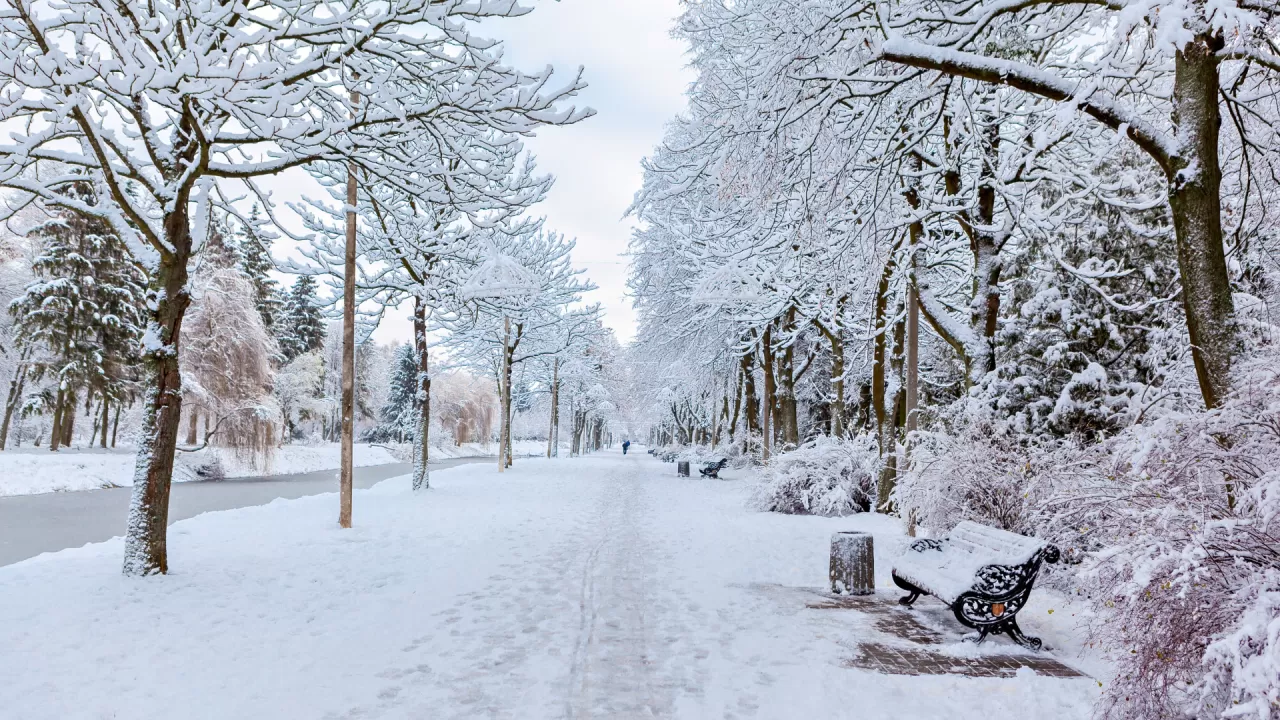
point(712, 470)
point(983, 573)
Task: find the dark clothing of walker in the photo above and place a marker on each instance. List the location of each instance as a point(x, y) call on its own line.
point(625, 444)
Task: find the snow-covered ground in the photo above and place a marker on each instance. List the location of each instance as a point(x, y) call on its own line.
point(30, 470)
point(592, 587)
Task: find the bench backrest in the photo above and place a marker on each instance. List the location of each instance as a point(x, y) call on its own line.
point(1002, 546)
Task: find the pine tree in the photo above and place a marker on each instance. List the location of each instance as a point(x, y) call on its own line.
point(397, 417)
point(304, 327)
point(84, 313)
point(255, 249)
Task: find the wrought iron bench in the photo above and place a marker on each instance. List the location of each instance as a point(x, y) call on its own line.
point(712, 470)
point(982, 573)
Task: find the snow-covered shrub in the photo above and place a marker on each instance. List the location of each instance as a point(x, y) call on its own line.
point(825, 476)
point(1187, 583)
point(988, 473)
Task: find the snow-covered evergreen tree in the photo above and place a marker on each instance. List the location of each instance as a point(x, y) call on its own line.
point(255, 251)
point(304, 327)
point(398, 417)
point(84, 313)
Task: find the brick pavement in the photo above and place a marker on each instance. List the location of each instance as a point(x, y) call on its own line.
point(904, 644)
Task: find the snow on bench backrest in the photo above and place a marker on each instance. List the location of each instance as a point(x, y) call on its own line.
point(1001, 546)
point(967, 549)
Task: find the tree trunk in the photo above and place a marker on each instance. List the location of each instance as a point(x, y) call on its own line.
point(55, 432)
point(737, 407)
point(145, 547)
point(115, 426)
point(880, 353)
point(552, 444)
point(985, 310)
point(766, 356)
point(69, 419)
point(106, 419)
point(16, 386)
point(422, 399)
point(889, 431)
point(750, 402)
point(913, 352)
point(789, 426)
point(1195, 200)
point(836, 402)
point(97, 416)
point(347, 440)
point(504, 377)
point(193, 422)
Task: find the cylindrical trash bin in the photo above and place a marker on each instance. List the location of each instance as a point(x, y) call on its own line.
point(682, 468)
point(853, 564)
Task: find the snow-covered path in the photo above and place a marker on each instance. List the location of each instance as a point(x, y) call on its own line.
point(597, 587)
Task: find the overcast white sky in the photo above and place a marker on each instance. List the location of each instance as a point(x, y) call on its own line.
point(637, 77)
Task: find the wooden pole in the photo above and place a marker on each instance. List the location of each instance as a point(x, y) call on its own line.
point(504, 407)
point(348, 346)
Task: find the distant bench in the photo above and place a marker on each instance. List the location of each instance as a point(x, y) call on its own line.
point(982, 573)
point(712, 470)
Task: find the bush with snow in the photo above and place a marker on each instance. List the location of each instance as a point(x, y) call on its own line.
point(1187, 581)
point(825, 476)
point(986, 472)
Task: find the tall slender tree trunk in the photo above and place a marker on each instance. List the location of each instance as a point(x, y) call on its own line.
point(912, 369)
point(880, 360)
point(115, 426)
point(97, 416)
point(553, 444)
point(737, 406)
point(770, 399)
point(17, 384)
point(106, 419)
point(503, 388)
point(836, 402)
point(751, 403)
point(55, 432)
point(348, 431)
point(789, 426)
point(422, 398)
point(897, 401)
point(193, 423)
point(69, 418)
point(987, 266)
point(146, 547)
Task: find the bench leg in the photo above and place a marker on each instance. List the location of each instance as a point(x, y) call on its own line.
point(1015, 634)
point(915, 591)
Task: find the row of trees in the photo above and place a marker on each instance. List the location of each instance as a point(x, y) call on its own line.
point(1001, 245)
point(411, 121)
point(876, 234)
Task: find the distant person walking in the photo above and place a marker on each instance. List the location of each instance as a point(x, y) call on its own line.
point(625, 444)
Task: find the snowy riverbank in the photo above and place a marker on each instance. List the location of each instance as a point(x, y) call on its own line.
point(593, 587)
point(31, 470)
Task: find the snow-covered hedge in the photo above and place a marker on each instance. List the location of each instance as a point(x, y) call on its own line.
point(825, 476)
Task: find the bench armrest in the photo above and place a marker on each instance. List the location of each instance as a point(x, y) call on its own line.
point(926, 544)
